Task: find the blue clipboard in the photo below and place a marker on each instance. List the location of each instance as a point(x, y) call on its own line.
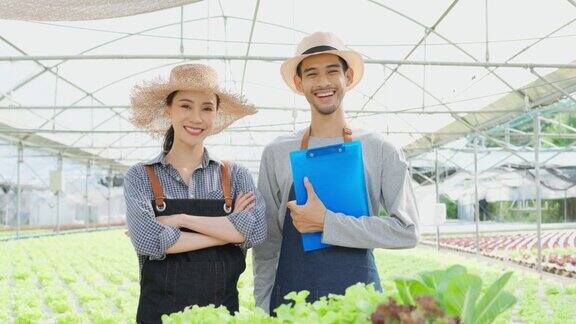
point(337, 174)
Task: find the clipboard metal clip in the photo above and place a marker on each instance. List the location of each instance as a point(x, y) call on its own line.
point(327, 150)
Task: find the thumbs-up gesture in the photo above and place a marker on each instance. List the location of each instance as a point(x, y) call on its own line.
point(309, 217)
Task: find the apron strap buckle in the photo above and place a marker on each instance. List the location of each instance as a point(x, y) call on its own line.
point(161, 207)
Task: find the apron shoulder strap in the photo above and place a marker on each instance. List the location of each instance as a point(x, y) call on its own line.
point(346, 134)
point(156, 187)
point(226, 183)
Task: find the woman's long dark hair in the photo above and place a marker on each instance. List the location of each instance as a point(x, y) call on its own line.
point(169, 136)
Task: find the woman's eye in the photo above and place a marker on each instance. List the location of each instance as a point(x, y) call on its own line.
point(208, 108)
point(185, 106)
point(311, 75)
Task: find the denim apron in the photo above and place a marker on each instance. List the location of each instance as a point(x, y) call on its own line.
point(321, 272)
point(201, 277)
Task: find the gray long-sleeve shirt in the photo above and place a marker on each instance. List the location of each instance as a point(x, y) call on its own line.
point(388, 183)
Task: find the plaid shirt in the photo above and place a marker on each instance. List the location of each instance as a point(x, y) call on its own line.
point(150, 238)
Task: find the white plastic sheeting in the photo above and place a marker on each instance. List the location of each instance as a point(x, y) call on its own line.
point(403, 101)
point(53, 10)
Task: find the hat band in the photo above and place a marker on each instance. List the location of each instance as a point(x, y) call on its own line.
point(321, 48)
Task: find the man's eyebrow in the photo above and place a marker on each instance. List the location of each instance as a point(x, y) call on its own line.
point(309, 69)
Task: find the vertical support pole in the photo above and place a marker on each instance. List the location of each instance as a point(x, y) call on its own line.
point(182, 30)
point(476, 202)
point(19, 189)
point(225, 50)
point(566, 206)
point(436, 180)
point(55, 98)
point(207, 26)
point(86, 207)
point(58, 193)
point(487, 39)
point(424, 69)
point(109, 198)
point(537, 183)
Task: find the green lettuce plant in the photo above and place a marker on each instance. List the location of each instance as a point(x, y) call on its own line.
point(459, 294)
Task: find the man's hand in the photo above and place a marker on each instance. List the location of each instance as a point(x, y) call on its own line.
point(309, 217)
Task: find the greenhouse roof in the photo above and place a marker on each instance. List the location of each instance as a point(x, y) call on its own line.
point(67, 67)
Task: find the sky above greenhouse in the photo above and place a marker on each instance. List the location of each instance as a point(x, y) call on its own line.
point(517, 32)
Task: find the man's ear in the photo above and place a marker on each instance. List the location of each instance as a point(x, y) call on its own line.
point(298, 82)
point(349, 76)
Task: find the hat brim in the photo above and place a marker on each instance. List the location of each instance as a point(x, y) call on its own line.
point(148, 103)
point(354, 60)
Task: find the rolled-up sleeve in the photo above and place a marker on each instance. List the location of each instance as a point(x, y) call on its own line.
point(149, 237)
point(250, 222)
